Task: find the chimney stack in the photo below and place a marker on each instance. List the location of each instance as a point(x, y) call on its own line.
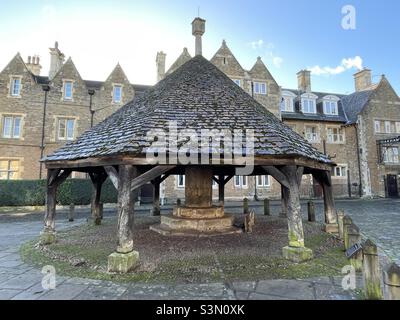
point(304, 80)
point(363, 80)
point(160, 62)
point(33, 65)
point(56, 60)
point(198, 29)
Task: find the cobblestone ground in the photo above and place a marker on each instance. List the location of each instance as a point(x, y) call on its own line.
point(378, 219)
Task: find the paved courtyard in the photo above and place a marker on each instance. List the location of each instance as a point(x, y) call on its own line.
point(378, 219)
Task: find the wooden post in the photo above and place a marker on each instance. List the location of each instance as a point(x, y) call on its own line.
point(245, 206)
point(221, 190)
point(71, 212)
point(340, 223)
point(347, 221)
point(353, 235)
point(124, 259)
point(371, 271)
point(267, 211)
point(97, 182)
point(156, 198)
point(284, 202)
point(391, 279)
point(54, 178)
point(311, 211)
point(324, 179)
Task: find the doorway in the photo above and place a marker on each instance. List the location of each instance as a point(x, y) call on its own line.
point(392, 187)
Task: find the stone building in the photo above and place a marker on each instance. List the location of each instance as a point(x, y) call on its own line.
point(358, 131)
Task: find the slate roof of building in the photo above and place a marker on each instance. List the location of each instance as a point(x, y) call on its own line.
point(91, 84)
point(355, 103)
point(197, 96)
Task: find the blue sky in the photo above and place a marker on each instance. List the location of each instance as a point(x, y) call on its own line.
point(288, 34)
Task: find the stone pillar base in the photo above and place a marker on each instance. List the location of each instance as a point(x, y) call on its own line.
point(47, 237)
point(332, 228)
point(297, 254)
point(123, 262)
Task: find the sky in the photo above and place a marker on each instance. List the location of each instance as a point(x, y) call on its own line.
point(329, 38)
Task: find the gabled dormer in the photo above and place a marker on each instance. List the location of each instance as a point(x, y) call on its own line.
point(68, 83)
point(15, 78)
point(227, 63)
point(263, 82)
point(287, 103)
point(117, 90)
point(182, 59)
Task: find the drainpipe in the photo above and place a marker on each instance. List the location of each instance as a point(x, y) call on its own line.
point(46, 89)
point(91, 93)
point(358, 160)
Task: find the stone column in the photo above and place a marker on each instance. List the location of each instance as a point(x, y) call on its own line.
point(245, 206)
point(221, 190)
point(371, 271)
point(340, 223)
point(391, 280)
point(125, 258)
point(347, 221)
point(296, 251)
point(198, 187)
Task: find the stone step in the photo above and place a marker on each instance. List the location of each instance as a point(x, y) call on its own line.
point(167, 231)
point(201, 224)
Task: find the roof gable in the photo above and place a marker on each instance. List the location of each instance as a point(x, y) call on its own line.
point(226, 61)
point(260, 71)
point(182, 59)
point(67, 71)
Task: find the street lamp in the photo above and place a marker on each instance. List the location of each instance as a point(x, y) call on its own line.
point(46, 89)
point(91, 93)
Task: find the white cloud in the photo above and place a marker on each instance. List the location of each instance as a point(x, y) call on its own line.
point(346, 64)
point(277, 61)
point(257, 44)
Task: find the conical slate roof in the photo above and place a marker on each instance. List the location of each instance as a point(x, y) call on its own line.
point(197, 96)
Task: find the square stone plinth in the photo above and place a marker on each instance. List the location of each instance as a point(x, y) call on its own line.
point(123, 262)
point(332, 228)
point(297, 254)
point(47, 237)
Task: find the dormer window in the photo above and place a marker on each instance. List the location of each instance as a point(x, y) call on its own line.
point(260, 88)
point(331, 105)
point(287, 103)
point(308, 103)
point(68, 90)
point(117, 94)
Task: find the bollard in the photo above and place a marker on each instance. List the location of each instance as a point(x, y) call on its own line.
point(71, 212)
point(267, 211)
point(101, 208)
point(346, 222)
point(245, 206)
point(391, 279)
point(371, 272)
point(353, 236)
point(311, 211)
point(340, 223)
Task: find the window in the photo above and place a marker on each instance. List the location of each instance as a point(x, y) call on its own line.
point(12, 127)
point(308, 106)
point(117, 94)
point(339, 171)
point(260, 88)
point(181, 181)
point(335, 135)
point(263, 181)
point(237, 81)
point(16, 86)
point(9, 169)
point(387, 127)
point(391, 154)
point(330, 107)
point(377, 126)
point(312, 134)
point(241, 181)
point(66, 129)
point(68, 90)
point(397, 127)
point(287, 104)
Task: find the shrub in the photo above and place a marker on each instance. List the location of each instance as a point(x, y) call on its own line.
point(33, 192)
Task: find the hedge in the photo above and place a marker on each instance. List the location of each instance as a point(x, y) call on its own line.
point(33, 192)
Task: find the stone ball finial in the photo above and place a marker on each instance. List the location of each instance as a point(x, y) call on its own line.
point(392, 275)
